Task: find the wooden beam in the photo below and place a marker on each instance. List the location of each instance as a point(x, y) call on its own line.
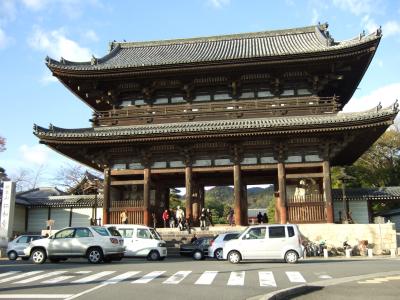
point(304, 175)
point(259, 167)
point(303, 165)
point(126, 182)
point(126, 172)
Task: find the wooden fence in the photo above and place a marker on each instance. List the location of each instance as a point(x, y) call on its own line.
point(307, 209)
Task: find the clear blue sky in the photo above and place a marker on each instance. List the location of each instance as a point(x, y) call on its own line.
point(75, 29)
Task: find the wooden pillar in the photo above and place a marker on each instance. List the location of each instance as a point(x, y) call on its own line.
point(244, 206)
point(237, 183)
point(146, 196)
point(327, 191)
point(188, 196)
point(201, 197)
point(196, 204)
point(70, 217)
point(282, 193)
point(106, 196)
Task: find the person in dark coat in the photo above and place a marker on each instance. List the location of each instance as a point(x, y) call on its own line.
point(209, 217)
point(259, 217)
point(265, 218)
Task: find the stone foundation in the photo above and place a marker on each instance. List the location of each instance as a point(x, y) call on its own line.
point(381, 237)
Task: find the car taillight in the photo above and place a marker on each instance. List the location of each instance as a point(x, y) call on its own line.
point(114, 241)
point(212, 242)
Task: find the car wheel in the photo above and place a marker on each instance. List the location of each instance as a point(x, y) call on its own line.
point(95, 255)
point(291, 257)
point(38, 256)
point(12, 255)
point(153, 255)
point(234, 257)
point(218, 254)
point(197, 255)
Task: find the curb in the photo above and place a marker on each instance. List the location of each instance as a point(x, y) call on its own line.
point(317, 285)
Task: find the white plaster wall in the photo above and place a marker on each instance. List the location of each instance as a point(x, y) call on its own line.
point(359, 211)
point(380, 236)
point(81, 216)
point(60, 217)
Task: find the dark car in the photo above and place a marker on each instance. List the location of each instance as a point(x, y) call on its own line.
point(198, 249)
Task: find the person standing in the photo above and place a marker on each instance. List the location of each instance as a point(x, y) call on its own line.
point(202, 218)
point(209, 217)
point(172, 219)
point(259, 217)
point(165, 217)
point(230, 217)
point(180, 216)
point(265, 218)
point(153, 216)
point(124, 217)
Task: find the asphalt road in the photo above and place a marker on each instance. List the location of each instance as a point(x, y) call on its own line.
point(183, 278)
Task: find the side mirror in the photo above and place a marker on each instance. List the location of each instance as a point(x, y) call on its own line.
point(247, 236)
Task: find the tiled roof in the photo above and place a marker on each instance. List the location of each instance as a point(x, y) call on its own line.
point(267, 44)
point(237, 126)
point(65, 201)
point(383, 193)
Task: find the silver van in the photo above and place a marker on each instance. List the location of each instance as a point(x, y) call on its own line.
point(141, 241)
point(16, 247)
point(265, 242)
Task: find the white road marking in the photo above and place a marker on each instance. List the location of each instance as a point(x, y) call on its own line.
point(149, 277)
point(87, 291)
point(267, 279)
point(9, 273)
point(34, 278)
point(325, 277)
point(295, 277)
point(20, 276)
point(121, 277)
point(207, 277)
point(236, 278)
point(34, 296)
point(83, 272)
point(57, 279)
point(93, 277)
point(177, 277)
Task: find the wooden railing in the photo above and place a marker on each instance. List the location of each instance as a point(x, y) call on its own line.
point(134, 217)
point(216, 110)
point(127, 203)
point(307, 209)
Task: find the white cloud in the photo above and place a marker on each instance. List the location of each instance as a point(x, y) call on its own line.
point(91, 36)
point(356, 7)
point(36, 155)
point(369, 24)
point(315, 16)
point(391, 28)
point(8, 11)
point(56, 44)
point(35, 5)
point(386, 95)
point(219, 3)
point(4, 39)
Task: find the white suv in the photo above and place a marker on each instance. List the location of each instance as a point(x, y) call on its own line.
point(96, 243)
point(217, 244)
point(265, 242)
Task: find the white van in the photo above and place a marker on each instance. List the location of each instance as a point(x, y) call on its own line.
point(265, 242)
point(141, 240)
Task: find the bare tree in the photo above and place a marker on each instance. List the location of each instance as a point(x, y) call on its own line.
point(26, 179)
point(2, 144)
point(69, 176)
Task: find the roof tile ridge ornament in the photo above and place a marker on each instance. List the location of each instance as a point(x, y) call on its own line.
point(395, 106)
point(323, 35)
point(93, 60)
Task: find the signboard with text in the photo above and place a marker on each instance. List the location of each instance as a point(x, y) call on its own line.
point(7, 210)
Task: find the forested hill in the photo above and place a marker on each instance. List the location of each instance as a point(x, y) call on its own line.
point(257, 197)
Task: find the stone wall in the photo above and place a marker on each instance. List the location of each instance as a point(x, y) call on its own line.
point(381, 237)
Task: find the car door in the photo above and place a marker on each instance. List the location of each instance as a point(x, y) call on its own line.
point(143, 242)
point(60, 243)
point(81, 241)
point(21, 244)
point(253, 243)
point(129, 236)
point(276, 241)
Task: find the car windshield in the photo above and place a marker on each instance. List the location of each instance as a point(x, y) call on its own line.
point(155, 234)
point(101, 230)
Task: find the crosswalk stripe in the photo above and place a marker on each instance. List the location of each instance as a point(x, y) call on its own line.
point(58, 279)
point(83, 272)
point(295, 277)
point(20, 276)
point(93, 277)
point(207, 277)
point(9, 273)
point(149, 277)
point(177, 277)
point(34, 278)
point(121, 277)
point(236, 278)
point(267, 279)
point(325, 277)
